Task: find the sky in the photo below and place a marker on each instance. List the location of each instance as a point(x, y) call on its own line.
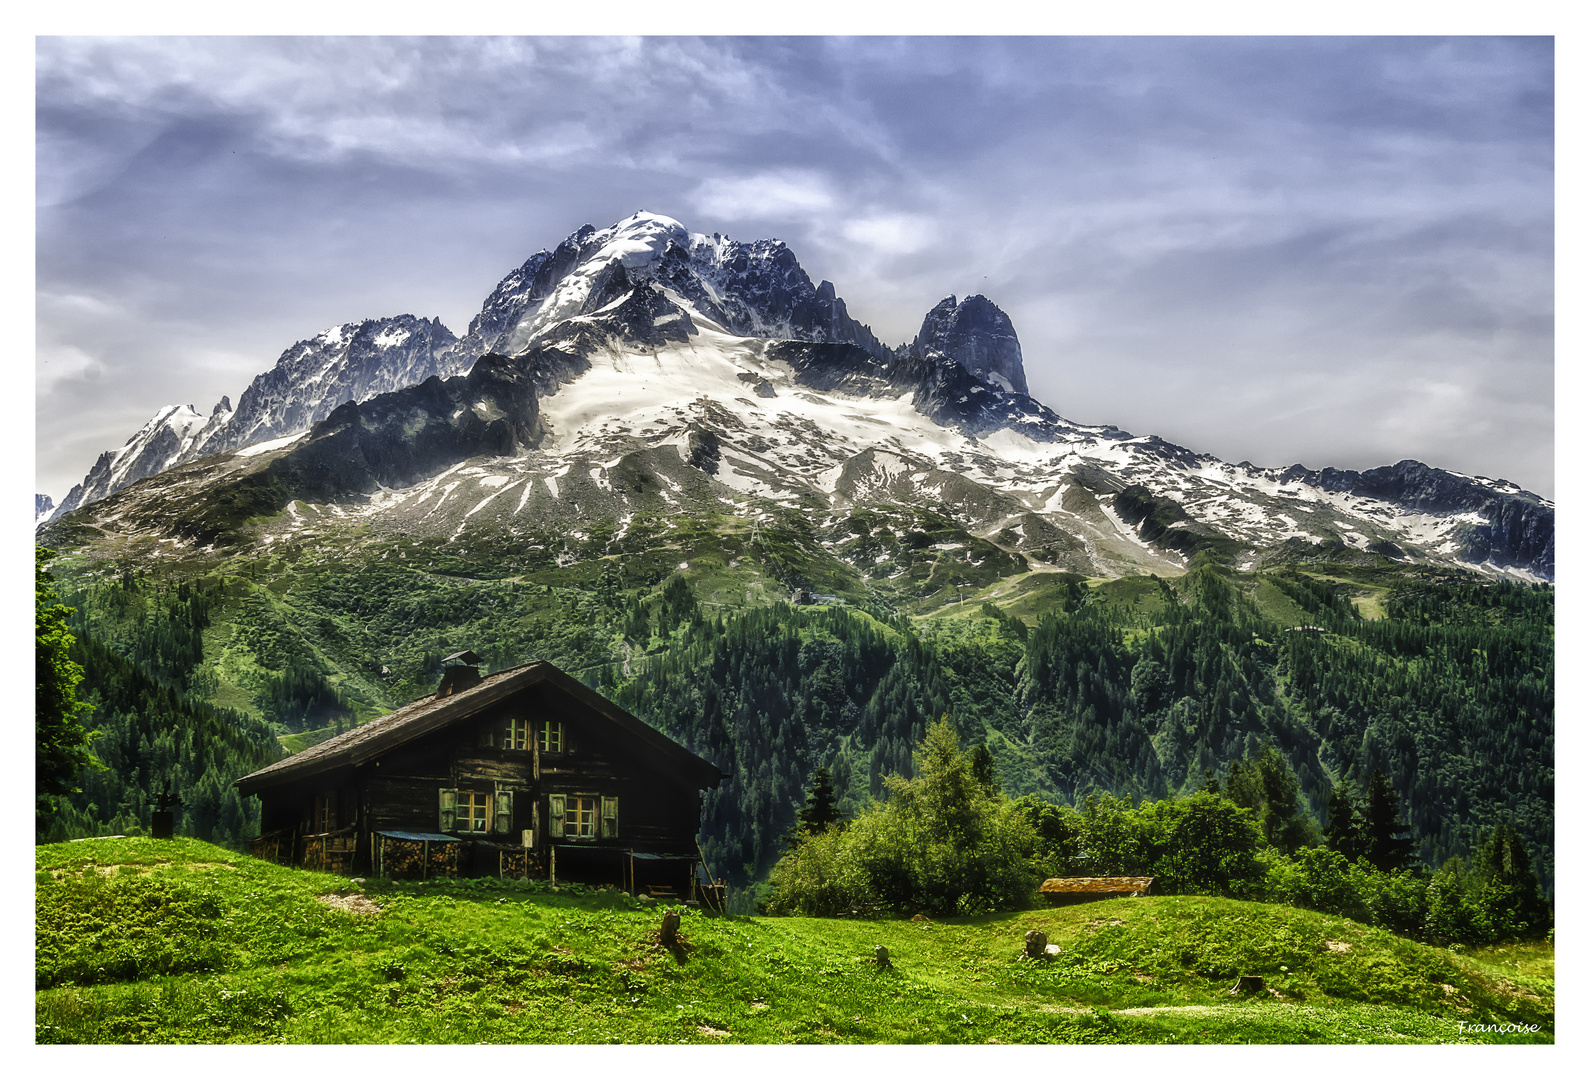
point(1332, 251)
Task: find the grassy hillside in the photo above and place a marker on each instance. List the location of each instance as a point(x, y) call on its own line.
point(181, 941)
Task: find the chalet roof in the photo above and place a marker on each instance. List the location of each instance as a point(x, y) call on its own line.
point(1095, 884)
point(432, 713)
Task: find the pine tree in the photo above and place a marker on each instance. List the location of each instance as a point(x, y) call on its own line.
point(61, 742)
point(822, 805)
point(1344, 830)
point(1266, 784)
point(1388, 850)
point(1510, 892)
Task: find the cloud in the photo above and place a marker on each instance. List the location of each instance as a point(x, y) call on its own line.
point(892, 234)
point(768, 195)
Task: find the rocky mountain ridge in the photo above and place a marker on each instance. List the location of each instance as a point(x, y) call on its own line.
point(644, 370)
point(351, 361)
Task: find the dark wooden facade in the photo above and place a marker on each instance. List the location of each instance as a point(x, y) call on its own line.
point(523, 772)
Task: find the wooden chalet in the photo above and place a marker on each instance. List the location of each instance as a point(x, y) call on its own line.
point(523, 772)
point(1076, 890)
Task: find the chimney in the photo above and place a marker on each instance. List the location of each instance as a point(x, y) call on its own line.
point(460, 673)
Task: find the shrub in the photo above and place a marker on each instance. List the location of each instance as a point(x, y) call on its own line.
point(1205, 844)
point(943, 843)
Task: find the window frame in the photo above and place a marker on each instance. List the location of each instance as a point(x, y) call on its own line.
point(520, 734)
point(544, 732)
point(572, 804)
point(464, 818)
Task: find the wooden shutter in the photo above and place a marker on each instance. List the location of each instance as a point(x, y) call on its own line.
point(447, 814)
point(503, 808)
point(555, 810)
point(609, 816)
point(535, 756)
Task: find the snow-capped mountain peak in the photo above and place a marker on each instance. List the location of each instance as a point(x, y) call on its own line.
point(349, 362)
point(640, 368)
point(634, 244)
point(163, 441)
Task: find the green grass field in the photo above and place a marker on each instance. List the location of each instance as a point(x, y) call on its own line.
point(181, 942)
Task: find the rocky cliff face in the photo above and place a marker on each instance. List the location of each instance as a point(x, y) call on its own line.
point(1499, 522)
point(978, 336)
point(350, 362)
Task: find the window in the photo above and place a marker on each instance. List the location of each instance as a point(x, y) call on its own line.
point(473, 810)
point(517, 737)
point(551, 736)
point(579, 817)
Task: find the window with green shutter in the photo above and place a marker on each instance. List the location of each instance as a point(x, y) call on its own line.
point(609, 816)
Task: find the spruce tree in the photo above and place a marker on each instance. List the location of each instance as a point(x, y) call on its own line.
point(1388, 850)
point(1266, 784)
point(61, 742)
point(1344, 829)
point(1509, 890)
point(822, 805)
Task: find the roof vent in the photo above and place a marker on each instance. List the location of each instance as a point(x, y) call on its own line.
point(460, 673)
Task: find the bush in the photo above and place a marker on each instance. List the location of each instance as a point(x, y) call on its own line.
point(1205, 844)
point(818, 877)
point(943, 843)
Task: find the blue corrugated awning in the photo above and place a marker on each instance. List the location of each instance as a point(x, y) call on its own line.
point(443, 837)
point(623, 851)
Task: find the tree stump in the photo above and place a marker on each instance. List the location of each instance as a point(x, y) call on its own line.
point(1248, 984)
point(670, 929)
point(1037, 944)
point(880, 956)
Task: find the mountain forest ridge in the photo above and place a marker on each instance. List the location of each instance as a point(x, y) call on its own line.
point(771, 391)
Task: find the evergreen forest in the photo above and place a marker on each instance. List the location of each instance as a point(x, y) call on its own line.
point(1434, 684)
